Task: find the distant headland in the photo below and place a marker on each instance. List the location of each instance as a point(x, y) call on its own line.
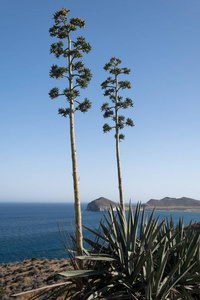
point(175, 204)
point(166, 204)
point(103, 204)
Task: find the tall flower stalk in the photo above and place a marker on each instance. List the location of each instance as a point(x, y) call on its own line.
point(112, 85)
point(78, 76)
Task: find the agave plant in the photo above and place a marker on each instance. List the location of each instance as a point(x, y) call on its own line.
point(135, 257)
point(152, 259)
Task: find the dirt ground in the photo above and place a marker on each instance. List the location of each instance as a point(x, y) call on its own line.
point(30, 274)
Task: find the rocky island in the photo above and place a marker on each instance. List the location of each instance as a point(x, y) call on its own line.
point(101, 204)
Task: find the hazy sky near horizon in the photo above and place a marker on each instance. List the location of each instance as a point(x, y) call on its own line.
point(159, 41)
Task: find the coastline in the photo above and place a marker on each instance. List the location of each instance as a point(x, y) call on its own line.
point(17, 277)
point(173, 208)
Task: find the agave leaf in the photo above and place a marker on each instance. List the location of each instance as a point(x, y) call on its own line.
point(71, 250)
point(139, 264)
point(171, 281)
point(95, 257)
point(187, 295)
point(108, 231)
point(108, 222)
point(180, 229)
point(98, 247)
point(156, 228)
point(191, 239)
point(171, 223)
point(86, 252)
point(188, 228)
point(191, 251)
point(192, 278)
point(152, 233)
point(135, 228)
point(157, 247)
point(116, 227)
point(150, 272)
point(149, 221)
point(95, 233)
point(130, 262)
point(187, 241)
point(129, 228)
point(123, 224)
point(96, 294)
point(160, 270)
point(154, 236)
point(118, 236)
point(108, 235)
point(142, 224)
point(144, 272)
point(146, 222)
point(80, 273)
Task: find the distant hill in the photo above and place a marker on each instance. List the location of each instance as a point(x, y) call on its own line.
point(168, 203)
point(101, 204)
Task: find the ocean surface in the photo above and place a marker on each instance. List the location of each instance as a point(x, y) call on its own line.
point(30, 229)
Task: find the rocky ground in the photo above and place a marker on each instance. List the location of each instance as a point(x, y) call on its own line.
point(30, 274)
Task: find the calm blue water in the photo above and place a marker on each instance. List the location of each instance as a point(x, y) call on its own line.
point(30, 230)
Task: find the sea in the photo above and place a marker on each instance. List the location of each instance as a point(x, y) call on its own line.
point(30, 230)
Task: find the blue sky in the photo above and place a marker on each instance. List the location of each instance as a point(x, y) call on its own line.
point(159, 41)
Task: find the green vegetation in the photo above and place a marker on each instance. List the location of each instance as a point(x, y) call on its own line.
point(112, 86)
point(137, 258)
point(74, 70)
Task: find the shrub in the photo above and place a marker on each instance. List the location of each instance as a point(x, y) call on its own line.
point(137, 257)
